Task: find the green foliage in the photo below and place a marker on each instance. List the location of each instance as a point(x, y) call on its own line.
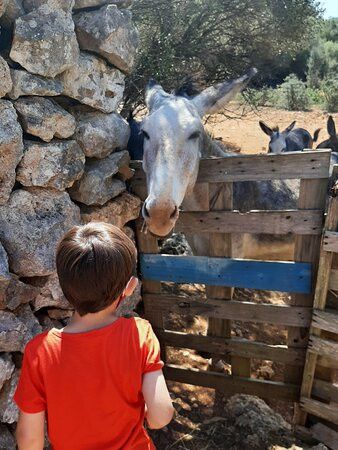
point(219, 39)
point(329, 87)
point(323, 60)
point(315, 96)
point(292, 94)
point(261, 97)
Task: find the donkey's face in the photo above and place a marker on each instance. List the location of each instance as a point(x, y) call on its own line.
point(277, 142)
point(173, 142)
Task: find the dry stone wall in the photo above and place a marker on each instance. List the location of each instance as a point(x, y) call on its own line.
point(62, 157)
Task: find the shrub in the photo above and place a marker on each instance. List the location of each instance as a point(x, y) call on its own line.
point(315, 96)
point(291, 94)
point(261, 97)
point(329, 87)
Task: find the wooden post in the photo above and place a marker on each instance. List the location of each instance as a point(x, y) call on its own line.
point(147, 243)
point(322, 286)
point(221, 199)
point(312, 195)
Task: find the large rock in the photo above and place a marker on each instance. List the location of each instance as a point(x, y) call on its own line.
point(97, 186)
point(118, 211)
point(44, 118)
point(7, 440)
point(92, 82)
point(90, 3)
point(64, 5)
point(110, 33)
point(11, 148)
point(5, 276)
point(9, 412)
point(100, 134)
point(56, 165)
point(31, 224)
point(51, 295)
point(25, 314)
point(25, 83)
point(6, 368)
point(12, 332)
point(45, 42)
point(5, 78)
point(17, 293)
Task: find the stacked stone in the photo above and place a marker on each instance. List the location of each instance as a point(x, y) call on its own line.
point(62, 156)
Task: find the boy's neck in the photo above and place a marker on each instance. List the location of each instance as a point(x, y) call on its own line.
point(90, 322)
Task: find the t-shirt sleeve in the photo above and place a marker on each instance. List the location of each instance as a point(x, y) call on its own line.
point(150, 350)
point(30, 393)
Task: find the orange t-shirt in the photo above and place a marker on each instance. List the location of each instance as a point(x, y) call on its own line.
point(90, 385)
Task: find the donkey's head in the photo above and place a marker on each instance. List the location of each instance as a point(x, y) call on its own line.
point(173, 143)
point(332, 142)
point(277, 142)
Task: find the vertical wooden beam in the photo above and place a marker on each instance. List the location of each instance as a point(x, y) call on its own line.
point(312, 195)
point(322, 285)
point(221, 199)
point(148, 243)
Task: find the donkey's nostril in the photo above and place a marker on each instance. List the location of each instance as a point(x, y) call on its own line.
point(172, 216)
point(145, 212)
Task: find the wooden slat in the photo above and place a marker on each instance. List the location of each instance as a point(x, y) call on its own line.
point(325, 435)
point(330, 241)
point(325, 390)
point(305, 165)
point(323, 347)
point(254, 222)
point(266, 275)
point(326, 320)
point(220, 198)
point(326, 361)
point(333, 280)
point(322, 284)
point(312, 195)
point(319, 409)
point(229, 384)
point(242, 311)
point(233, 346)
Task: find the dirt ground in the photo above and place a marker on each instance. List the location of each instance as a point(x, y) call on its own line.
point(199, 412)
point(245, 132)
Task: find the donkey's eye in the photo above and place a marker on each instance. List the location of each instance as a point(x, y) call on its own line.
point(145, 134)
point(195, 135)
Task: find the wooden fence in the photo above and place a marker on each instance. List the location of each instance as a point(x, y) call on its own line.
point(221, 273)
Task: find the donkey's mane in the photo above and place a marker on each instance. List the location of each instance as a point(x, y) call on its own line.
point(190, 86)
point(275, 128)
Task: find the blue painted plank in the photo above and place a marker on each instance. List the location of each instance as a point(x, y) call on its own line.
point(266, 275)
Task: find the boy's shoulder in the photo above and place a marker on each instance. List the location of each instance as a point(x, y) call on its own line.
point(39, 341)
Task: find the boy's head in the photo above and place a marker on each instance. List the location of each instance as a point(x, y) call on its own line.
point(94, 263)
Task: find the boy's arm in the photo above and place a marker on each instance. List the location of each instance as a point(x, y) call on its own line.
point(30, 433)
point(159, 408)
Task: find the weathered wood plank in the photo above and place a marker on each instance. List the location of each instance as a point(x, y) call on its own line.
point(325, 390)
point(330, 241)
point(233, 347)
point(229, 384)
point(242, 311)
point(326, 361)
point(255, 222)
point(326, 320)
point(305, 165)
point(333, 280)
point(322, 346)
point(271, 276)
point(319, 409)
point(325, 435)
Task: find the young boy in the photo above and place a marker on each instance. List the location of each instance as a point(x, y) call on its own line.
point(98, 378)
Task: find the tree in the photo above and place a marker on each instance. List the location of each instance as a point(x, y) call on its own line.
point(218, 38)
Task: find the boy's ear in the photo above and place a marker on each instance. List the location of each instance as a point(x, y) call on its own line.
point(131, 286)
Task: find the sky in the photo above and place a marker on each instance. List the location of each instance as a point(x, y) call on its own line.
point(331, 7)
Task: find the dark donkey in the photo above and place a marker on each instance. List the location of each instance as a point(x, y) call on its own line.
point(332, 142)
point(289, 140)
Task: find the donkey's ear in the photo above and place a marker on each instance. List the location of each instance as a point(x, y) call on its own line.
point(214, 98)
point(154, 95)
point(331, 127)
point(267, 130)
point(289, 128)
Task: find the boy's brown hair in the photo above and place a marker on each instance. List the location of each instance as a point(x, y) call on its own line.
point(94, 264)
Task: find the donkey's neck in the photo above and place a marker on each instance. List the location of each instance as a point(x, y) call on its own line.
point(211, 147)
